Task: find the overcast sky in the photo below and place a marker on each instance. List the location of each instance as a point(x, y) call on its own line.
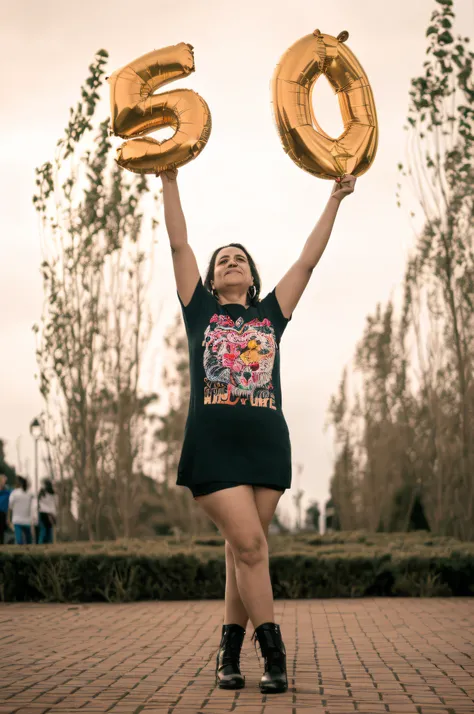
point(242, 187)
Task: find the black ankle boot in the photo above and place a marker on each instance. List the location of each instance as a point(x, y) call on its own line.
point(273, 652)
point(228, 658)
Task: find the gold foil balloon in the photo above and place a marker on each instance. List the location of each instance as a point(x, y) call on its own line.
point(302, 137)
point(136, 111)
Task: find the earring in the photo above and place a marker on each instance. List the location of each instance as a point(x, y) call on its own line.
point(252, 291)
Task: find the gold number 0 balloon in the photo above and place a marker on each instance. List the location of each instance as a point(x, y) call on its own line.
point(136, 111)
point(302, 137)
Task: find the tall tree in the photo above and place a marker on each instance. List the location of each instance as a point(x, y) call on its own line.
point(407, 441)
point(97, 264)
point(440, 275)
point(312, 517)
point(170, 433)
point(179, 508)
point(344, 481)
point(5, 468)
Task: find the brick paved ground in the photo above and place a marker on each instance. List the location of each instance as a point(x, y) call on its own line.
point(369, 656)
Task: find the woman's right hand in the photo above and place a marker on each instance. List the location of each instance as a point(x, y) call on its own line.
point(169, 175)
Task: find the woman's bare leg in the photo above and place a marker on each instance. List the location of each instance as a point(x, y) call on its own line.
point(243, 515)
point(234, 609)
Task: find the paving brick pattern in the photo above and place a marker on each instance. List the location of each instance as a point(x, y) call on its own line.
point(368, 656)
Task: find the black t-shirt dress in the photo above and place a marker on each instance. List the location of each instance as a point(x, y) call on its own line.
point(235, 431)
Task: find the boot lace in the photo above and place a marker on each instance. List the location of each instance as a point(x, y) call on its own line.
point(254, 640)
point(272, 656)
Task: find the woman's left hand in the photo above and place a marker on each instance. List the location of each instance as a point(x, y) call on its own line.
point(343, 187)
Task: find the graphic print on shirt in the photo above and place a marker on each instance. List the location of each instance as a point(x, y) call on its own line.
point(238, 362)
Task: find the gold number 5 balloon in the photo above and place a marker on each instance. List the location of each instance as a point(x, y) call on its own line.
point(302, 137)
point(136, 111)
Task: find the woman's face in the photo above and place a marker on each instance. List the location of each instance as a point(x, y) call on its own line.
point(232, 270)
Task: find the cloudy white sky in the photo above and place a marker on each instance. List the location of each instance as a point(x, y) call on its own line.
point(242, 187)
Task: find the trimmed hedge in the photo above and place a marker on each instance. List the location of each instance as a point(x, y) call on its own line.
point(303, 566)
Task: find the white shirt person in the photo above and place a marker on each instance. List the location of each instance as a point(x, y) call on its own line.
point(47, 508)
point(21, 506)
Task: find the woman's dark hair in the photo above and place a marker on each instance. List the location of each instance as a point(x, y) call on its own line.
point(46, 488)
point(253, 270)
point(21, 482)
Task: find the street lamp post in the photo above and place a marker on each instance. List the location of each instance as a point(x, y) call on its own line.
point(35, 431)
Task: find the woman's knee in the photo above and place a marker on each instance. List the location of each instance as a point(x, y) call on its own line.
point(250, 550)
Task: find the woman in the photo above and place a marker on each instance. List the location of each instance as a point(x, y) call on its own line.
point(236, 456)
point(47, 511)
point(20, 506)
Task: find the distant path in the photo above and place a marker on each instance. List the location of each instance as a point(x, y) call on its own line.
point(372, 655)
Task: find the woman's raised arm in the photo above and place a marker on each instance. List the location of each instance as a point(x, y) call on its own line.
point(186, 269)
point(292, 285)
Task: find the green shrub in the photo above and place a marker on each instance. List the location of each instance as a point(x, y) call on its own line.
point(303, 566)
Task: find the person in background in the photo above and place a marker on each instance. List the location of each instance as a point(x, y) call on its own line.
point(4, 498)
point(47, 511)
point(21, 511)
